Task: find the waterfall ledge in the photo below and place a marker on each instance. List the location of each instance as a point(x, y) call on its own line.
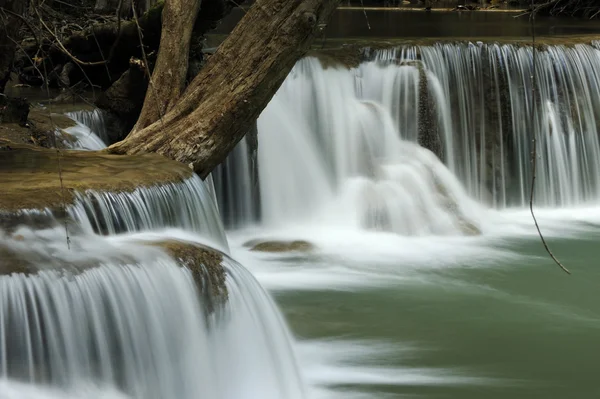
point(30, 175)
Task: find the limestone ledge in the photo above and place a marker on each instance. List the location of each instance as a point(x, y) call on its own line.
point(30, 178)
point(205, 264)
point(349, 53)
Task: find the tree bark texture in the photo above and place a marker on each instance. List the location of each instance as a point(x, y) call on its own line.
point(171, 65)
point(237, 82)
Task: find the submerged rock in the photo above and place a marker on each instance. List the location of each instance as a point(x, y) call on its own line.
point(280, 246)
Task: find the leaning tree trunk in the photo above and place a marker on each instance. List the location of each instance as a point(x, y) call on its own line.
point(238, 81)
point(168, 78)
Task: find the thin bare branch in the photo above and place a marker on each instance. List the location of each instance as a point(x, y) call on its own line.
point(147, 65)
point(534, 142)
point(63, 48)
point(365, 13)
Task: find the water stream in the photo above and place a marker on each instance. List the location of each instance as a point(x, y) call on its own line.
point(424, 278)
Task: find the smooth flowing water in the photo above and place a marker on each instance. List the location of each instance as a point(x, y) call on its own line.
point(391, 301)
point(425, 277)
point(105, 313)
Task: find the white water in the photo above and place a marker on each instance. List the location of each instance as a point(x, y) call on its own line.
point(234, 186)
point(84, 138)
point(187, 205)
point(483, 94)
point(335, 144)
point(328, 155)
point(338, 176)
point(91, 129)
point(131, 325)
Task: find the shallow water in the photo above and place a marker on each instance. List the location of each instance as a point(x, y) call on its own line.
point(490, 316)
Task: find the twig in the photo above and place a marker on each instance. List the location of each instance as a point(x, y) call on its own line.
point(67, 4)
point(116, 43)
point(365, 13)
point(534, 142)
point(63, 48)
point(150, 83)
point(239, 6)
point(58, 159)
point(28, 57)
point(101, 53)
point(25, 21)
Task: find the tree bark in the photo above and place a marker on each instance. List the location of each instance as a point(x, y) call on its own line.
point(238, 81)
point(172, 62)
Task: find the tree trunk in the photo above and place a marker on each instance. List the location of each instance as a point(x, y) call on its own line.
point(172, 62)
point(238, 81)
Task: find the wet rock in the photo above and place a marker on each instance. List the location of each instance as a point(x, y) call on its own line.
point(30, 179)
point(206, 265)
point(429, 135)
point(280, 246)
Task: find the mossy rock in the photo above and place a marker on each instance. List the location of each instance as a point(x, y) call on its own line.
point(280, 246)
point(206, 265)
point(38, 178)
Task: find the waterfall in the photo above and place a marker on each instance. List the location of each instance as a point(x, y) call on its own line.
point(128, 320)
point(330, 150)
point(234, 185)
point(186, 205)
point(105, 312)
point(339, 143)
point(94, 121)
point(81, 137)
point(483, 94)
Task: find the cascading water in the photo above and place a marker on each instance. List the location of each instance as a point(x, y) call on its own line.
point(126, 319)
point(95, 122)
point(338, 143)
point(483, 97)
point(115, 317)
point(187, 205)
point(235, 185)
point(329, 151)
point(82, 138)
